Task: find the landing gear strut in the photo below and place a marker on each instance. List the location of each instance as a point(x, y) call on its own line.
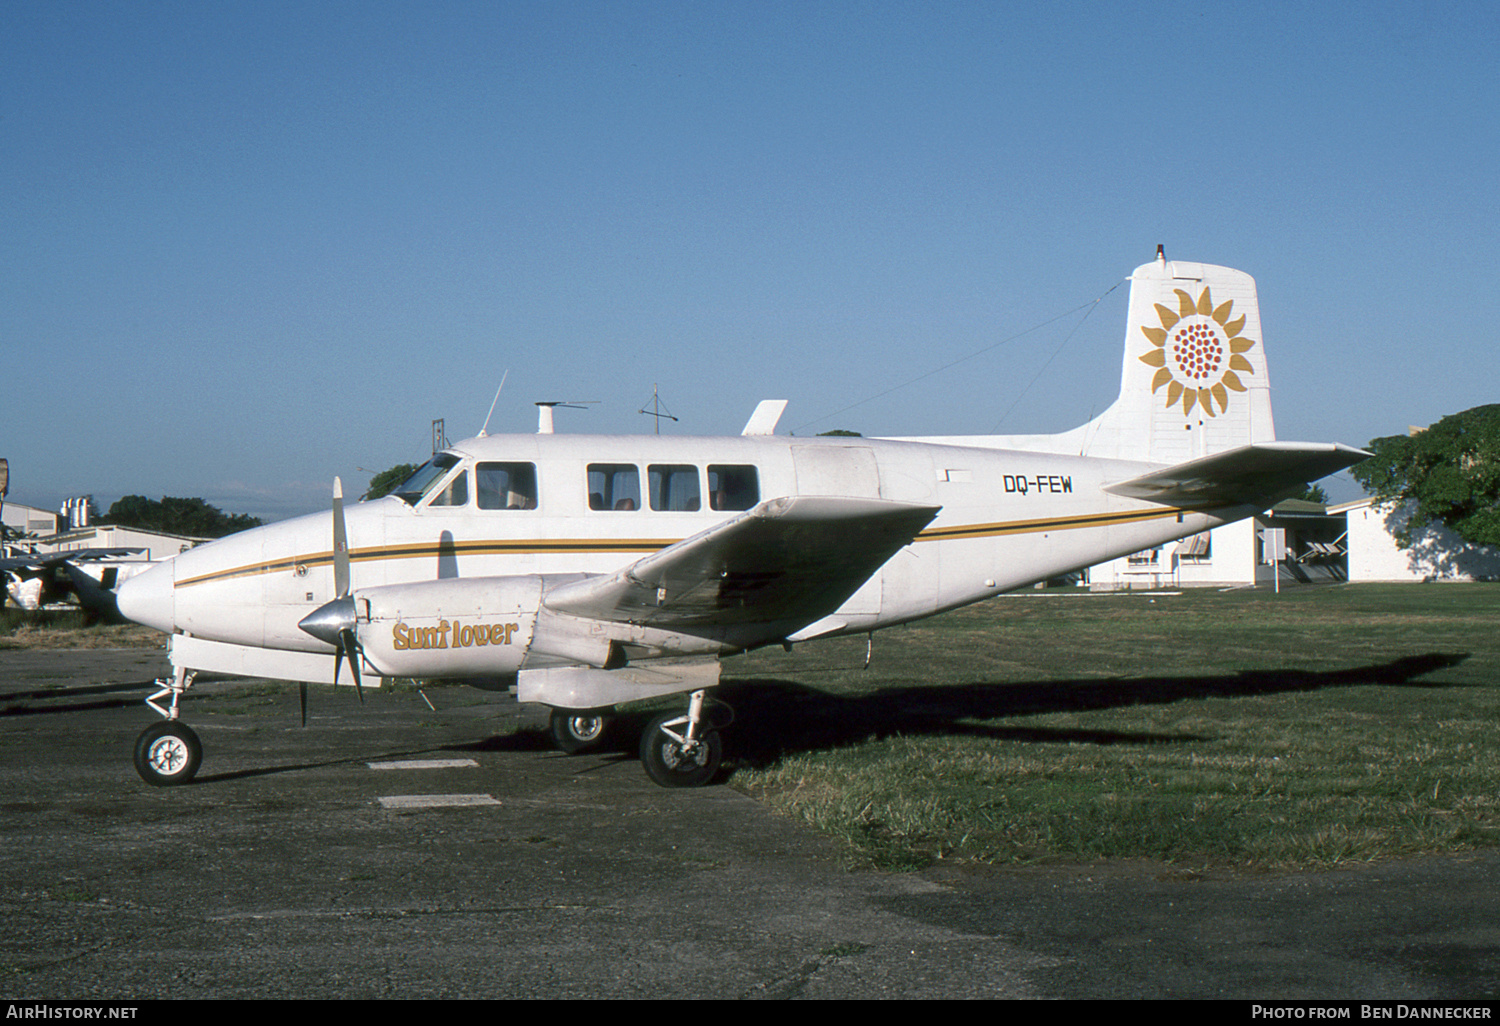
point(168, 753)
point(685, 751)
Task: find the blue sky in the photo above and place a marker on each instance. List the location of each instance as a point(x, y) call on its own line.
point(249, 246)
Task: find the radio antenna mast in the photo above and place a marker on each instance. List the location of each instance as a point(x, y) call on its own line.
point(484, 431)
point(656, 410)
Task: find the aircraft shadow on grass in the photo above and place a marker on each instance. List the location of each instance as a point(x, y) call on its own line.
point(791, 717)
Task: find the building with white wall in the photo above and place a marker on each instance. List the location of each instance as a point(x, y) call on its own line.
point(155, 545)
point(1241, 554)
point(1435, 553)
point(22, 519)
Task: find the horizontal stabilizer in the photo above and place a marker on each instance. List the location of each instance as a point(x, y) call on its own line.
point(786, 560)
point(1251, 474)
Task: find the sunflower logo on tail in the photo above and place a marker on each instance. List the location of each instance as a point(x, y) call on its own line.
point(1199, 353)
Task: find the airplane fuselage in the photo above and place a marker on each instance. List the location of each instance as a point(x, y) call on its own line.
point(591, 504)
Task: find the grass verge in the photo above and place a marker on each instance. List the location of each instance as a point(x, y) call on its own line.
point(1321, 727)
point(69, 629)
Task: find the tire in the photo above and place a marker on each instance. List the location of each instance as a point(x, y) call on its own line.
point(167, 754)
point(580, 730)
point(669, 764)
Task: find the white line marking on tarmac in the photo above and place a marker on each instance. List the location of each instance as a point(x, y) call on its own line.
point(422, 764)
point(435, 801)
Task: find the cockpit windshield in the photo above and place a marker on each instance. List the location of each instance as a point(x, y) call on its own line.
point(426, 477)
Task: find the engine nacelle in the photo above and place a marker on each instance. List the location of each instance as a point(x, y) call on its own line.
point(480, 627)
point(473, 627)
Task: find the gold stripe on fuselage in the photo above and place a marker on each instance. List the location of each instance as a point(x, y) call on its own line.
point(535, 546)
point(527, 546)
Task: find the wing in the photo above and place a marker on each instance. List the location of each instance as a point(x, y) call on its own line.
point(1263, 472)
point(45, 560)
point(786, 560)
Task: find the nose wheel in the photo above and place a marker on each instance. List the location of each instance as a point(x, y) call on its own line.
point(168, 753)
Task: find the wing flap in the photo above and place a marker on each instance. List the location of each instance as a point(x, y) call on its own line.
point(1263, 472)
point(790, 559)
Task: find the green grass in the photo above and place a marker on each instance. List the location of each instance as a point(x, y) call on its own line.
point(1321, 727)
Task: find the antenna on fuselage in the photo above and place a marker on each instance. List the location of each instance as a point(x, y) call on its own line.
point(484, 431)
point(544, 411)
point(655, 410)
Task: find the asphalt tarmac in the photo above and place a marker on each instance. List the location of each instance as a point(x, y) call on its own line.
point(392, 851)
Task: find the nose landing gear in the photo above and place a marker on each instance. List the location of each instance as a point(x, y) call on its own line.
point(168, 753)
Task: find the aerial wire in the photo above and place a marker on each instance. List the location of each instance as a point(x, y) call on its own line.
point(1089, 306)
point(1060, 347)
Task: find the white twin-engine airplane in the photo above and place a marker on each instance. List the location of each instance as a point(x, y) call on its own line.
point(592, 571)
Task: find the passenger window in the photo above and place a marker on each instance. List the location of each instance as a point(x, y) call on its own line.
point(457, 492)
point(732, 487)
point(506, 485)
point(674, 487)
point(614, 486)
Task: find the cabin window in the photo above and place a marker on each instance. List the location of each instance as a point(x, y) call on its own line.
point(614, 486)
point(455, 494)
point(505, 485)
point(425, 478)
point(675, 487)
point(732, 487)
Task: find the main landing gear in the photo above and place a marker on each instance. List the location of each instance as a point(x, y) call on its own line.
point(677, 749)
point(168, 753)
point(576, 731)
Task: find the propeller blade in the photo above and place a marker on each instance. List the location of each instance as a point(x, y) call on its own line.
point(340, 542)
point(349, 646)
point(302, 696)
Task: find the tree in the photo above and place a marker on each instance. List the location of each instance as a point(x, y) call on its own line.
point(1449, 474)
point(177, 516)
point(382, 483)
point(1315, 493)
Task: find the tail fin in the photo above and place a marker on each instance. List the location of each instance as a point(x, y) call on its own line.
point(1194, 381)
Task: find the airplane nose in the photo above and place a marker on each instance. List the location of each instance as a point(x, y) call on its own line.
point(146, 598)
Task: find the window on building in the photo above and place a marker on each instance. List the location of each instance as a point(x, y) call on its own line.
point(1197, 549)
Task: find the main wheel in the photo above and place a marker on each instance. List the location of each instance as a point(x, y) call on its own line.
point(579, 730)
point(672, 762)
point(168, 753)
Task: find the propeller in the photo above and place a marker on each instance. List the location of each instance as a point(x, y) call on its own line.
point(334, 622)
